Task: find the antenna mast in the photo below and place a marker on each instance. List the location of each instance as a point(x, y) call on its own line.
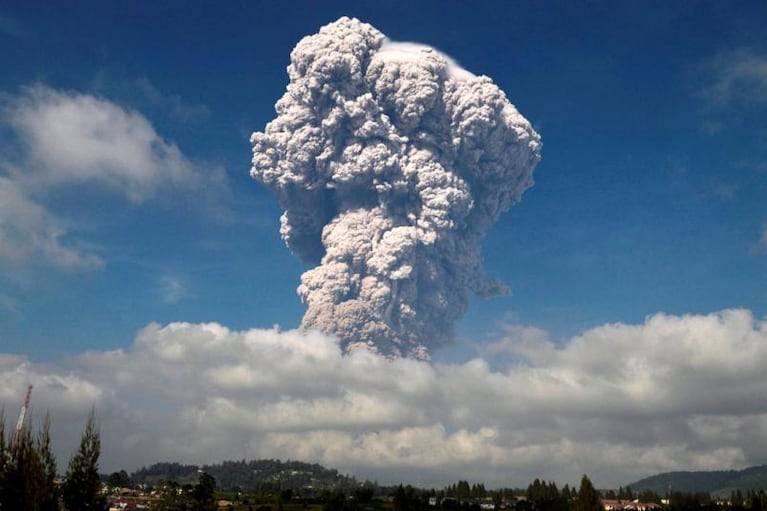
point(16, 439)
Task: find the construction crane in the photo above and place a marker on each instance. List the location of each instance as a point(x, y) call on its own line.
point(18, 432)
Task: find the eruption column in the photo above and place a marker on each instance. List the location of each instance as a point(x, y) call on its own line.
point(391, 162)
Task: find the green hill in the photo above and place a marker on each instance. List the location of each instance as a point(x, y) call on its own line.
point(249, 474)
point(717, 483)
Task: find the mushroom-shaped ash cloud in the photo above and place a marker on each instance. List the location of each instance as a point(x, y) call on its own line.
point(391, 162)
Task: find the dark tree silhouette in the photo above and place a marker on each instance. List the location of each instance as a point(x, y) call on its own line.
point(80, 491)
point(204, 492)
point(47, 497)
point(588, 497)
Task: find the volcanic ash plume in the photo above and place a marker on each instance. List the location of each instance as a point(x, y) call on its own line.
point(391, 162)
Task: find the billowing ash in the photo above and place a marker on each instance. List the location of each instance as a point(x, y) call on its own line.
point(391, 162)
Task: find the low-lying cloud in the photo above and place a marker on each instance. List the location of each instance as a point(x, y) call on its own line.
point(618, 402)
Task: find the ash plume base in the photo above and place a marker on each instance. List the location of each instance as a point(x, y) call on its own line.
point(391, 162)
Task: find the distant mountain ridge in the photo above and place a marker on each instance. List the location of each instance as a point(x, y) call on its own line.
point(717, 483)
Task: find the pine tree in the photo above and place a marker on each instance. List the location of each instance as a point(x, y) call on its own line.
point(400, 500)
point(21, 475)
point(738, 498)
point(80, 491)
point(204, 492)
point(47, 494)
point(4, 462)
point(588, 497)
point(27, 470)
point(463, 490)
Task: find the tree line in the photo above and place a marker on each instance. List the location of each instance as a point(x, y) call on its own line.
point(28, 470)
point(540, 495)
point(267, 474)
point(29, 482)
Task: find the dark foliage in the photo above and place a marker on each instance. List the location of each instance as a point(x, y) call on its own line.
point(547, 497)
point(204, 492)
point(119, 479)
point(588, 497)
point(714, 482)
point(255, 475)
point(27, 470)
point(80, 491)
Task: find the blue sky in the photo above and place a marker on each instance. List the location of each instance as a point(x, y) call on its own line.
point(649, 198)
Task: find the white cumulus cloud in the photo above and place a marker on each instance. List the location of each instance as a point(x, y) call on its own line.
point(57, 140)
point(618, 402)
point(27, 229)
point(72, 137)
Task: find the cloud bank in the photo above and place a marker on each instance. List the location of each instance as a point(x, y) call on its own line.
point(618, 402)
point(391, 162)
